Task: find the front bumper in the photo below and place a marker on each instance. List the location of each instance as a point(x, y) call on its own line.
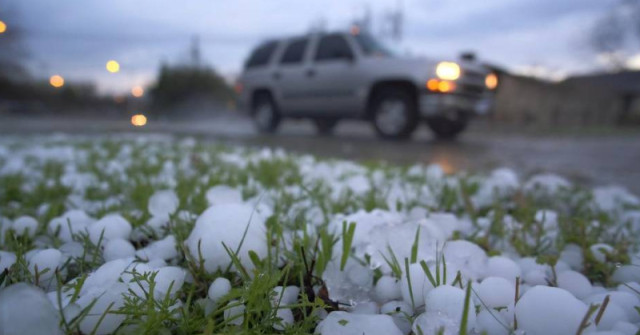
point(435, 104)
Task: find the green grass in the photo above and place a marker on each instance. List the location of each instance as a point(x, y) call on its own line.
point(127, 172)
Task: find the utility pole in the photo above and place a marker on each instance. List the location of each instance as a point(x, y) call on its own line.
point(195, 51)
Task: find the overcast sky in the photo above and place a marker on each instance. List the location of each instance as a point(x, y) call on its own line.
point(75, 38)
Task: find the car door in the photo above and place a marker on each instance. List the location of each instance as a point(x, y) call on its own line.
point(332, 76)
point(290, 78)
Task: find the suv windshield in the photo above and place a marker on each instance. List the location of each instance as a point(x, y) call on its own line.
point(372, 47)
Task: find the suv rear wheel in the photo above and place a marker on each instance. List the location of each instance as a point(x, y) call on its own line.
point(448, 127)
point(265, 114)
point(325, 126)
point(394, 113)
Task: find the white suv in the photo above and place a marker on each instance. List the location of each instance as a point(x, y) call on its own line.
point(326, 77)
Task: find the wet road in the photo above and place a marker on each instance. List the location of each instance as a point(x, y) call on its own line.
point(590, 159)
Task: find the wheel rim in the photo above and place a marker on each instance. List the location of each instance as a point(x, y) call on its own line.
point(264, 116)
point(391, 117)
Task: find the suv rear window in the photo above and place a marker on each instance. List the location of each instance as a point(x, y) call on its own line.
point(294, 51)
point(333, 47)
point(261, 55)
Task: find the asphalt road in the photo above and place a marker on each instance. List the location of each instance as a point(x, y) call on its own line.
point(606, 158)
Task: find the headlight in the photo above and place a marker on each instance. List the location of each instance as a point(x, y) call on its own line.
point(448, 71)
point(491, 81)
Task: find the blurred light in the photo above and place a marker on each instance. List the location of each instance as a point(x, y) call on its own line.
point(355, 30)
point(446, 86)
point(491, 80)
point(138, 120)
point(137, 91)
point(448, 70)
point(56, 81)
point(433, 84)
point(113, 66)
point(238, 88)
point(3, 27)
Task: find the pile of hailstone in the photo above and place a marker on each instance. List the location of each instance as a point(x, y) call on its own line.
point(162, 235)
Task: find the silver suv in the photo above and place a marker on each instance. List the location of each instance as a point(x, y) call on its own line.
point(327, 77)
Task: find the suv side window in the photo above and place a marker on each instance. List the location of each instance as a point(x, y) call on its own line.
point(261, 55)
point(294, 53)
point(333, 47)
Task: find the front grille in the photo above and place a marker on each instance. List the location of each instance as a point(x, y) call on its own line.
point(473, 76)
point(471, 89)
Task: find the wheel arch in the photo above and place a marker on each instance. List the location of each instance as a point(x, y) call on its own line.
point(375, 89)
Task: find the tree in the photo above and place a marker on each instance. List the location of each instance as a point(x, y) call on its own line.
point(613, 34)
point(13, 52)
point(180, 83)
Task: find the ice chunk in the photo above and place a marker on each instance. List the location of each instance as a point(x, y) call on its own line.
point(169, 279)
point(25, 225)
point(285, 295)
point(106, 275)
point(610, 198)
point(227, 224)
point(107, 299)
point(234, 315)
point(164, 249)
point(572, 255)
point(365, 307)
point(219, 288)
point(628, 301)
point(344, 323)
point(223, 194)
point(45, 262)
point(352, 285)
point(496, 292)
point(449, 301)
point(388, 288)
point(7, 259)
point(435, 323)
point(626, 273)
point(492, 322)
point(401, 312)
point(286, 318)
point(163, 203)
point(69, 224)
point(612, 315)
point(469, 257)
point(546, 184)
point(118, 248)
point(414, 294)
point(500, 266)
point(576, 283)
point(110, 227)
point(25, 309)
point(626, 328)
point(544, 310)
point(600, 251)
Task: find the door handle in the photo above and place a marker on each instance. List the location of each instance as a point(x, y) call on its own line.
point(277, 75)
point(311, 73)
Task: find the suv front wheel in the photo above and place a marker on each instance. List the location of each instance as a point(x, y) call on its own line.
point(448, 127)
point(394, 113)
point(265, 114)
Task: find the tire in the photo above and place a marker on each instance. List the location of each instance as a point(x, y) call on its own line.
point(394, 113)
point(325, 126)
point(447, 128)
point(265, 114)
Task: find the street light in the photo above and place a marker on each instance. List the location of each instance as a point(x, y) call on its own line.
point(113, 66)
point(56, 81)
point(3, 27)
point(137, 91)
